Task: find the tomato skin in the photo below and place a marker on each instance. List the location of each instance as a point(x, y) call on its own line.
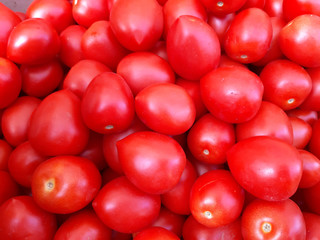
point(312, 101)
point(142, 69)
point(210, 138)
point(40, 42)
point(56, 126)
point(274, 8)
point(220, 24)
point(144, 161)
point(125, 208)
point(5, 151)
point(22, 218)
point(137, 24)
point(249, 36)
point(306, 25)
point(311, 197)
point(83, 225)
point(169, 100)
point(311, 169)
point(56, 183)
point(107, 105)
point(273, 220)
point(295, 8)
point(232, 94)
point(309, 116)
point(10, 82)
point(314, 143)
point(192, 33)
point(312, 225)
point(9, 187)
point(156, 233)
point(216, 199)
point(227, 6)
point(302, 132)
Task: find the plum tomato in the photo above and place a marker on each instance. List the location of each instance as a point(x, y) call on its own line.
point(302, 132)
point(9, 188)
point(5, 152)
point(223, 7)
point(156, 233)
point(312, 222)
point(314, 143)
point(311, 169)
point(312, 102)
point(295, 8)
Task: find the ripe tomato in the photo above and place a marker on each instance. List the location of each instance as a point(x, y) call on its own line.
point(218, 7)
point(311, 197)
point(295, 8)
point(274, 8)
point(312, 102)
point(8, 189)
point(311, 169)
point(308, 116)
point(312, 225)
point(314, 143)
point(302, 132)
point(65, 184)
point(156, 233)
point(220, 24)
point(5, 151)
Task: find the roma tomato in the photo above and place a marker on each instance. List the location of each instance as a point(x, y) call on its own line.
point(5, 152)
point(56, 126)
point(192, 33)
point(165, 108)
point(232, 94)
point(223, 7)
point(311, 196)
point(125, 208)
point(309, 116)
point(220, 24)
point(274, 8)
point(156, 233)
point(312, 222)
point(8, 189)
point(216, 199)
point(144, 161)
point(302, 132)
point(312, 102)
point(107, 105)
point(266, 167)
point(311, 169)
point(314, 143)
point(65, 184)
point(295, 8)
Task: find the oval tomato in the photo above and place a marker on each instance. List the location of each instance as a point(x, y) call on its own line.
point(223, 7)
point(156, 233)
point(312, 222)
point(9, 188)
point(311, 169)
point(312, 102)
point(302, 132)
point(5, 151)
point(295, 8)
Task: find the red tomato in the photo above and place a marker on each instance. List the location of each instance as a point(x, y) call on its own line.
point(137, 24)
point(311, 196)
point(216, 199)
point(33, 41)
point(302, 132)
point(203, 54)
point(99, 43)
point(274, 8)
point(232, 94)
point(5, 151)
point(58, 13)
point(223, 7)
point(65, 184)
point(41, 80)
point(210, 138)
point(156, 233)
point(108, 174)
point(56, 126)
point(286, 83)
point(314, 143)
point(142, 69)
point(270, 120)
point(147, 165)
point(308, 116)
point(165, 108)
point(226, 61)
point(300, 42)
point(8, 189)
point(295, 8)
point(22, 218)
point(125, 208)
point(83, 225)
point(220, 24)
point(266, 167)
point(312, 102)
point(10, 82)
point(160, 49)
point(273, 220)
point(312, 225)
point(16, 119)
point(253, 4)
point(107, 105)
point(311, 169)
point(249, 36)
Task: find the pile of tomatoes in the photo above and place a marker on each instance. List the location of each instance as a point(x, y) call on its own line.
point(160, 119)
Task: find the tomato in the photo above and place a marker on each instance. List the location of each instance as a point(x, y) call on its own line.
point(83, 225)
point(254, 4)
point(137, 24)
point(210, 138)
point(226, 61)
point(223, 7)
point(9, 188)
point(220, 24)
point(216, 199)
point(143, 161)
point(273, 220)
point(312, 101)
point(156, 233)
point(56, 126)
point(107, 105)
point(5, 151)
point(232, 94)
point(295, 8)
point(266, 167)
point(203, 54)
point(314, 143)
point(311, 169)
point(290, 40)
point(42, 79)
point(22, 218)
point(58, 13)
point(312, 222)
point(65, 184)
point(33, 41)
point(142, 69)
point(274, 8)
point(160, 49)
point(10, 82)
point(308, 116)
point(302, 132)
point(270, 120)
point(99, 43)
point(165, 108)
point(249, 36)
point(125, 208)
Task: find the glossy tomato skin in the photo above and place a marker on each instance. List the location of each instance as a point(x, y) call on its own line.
point(56, 126)
point(142, 69)
point(10, 82)
point(220, 24)
point(232, 94)
point(309, 116)
point(65, 184)
point(9, 187)
point(147, 165)
point(314, 143)
point(312, 101)
point(107, 105)
point(5, 152)
point(40, 42)
point(266, 167)
point(156, 233)
point(216, 199)
point(311, 169)
point(192, 33)
point(137, 24)
point(295, 8)
point(273, 220)
point(312, 222)
point(83, 225)
point(22, 218)
point(274, 8)
point(311, 197)
point(249, 36)
point(308, 26)
point(302, 132)
point(223, 7)
point(125, 208)
point(165, 108)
